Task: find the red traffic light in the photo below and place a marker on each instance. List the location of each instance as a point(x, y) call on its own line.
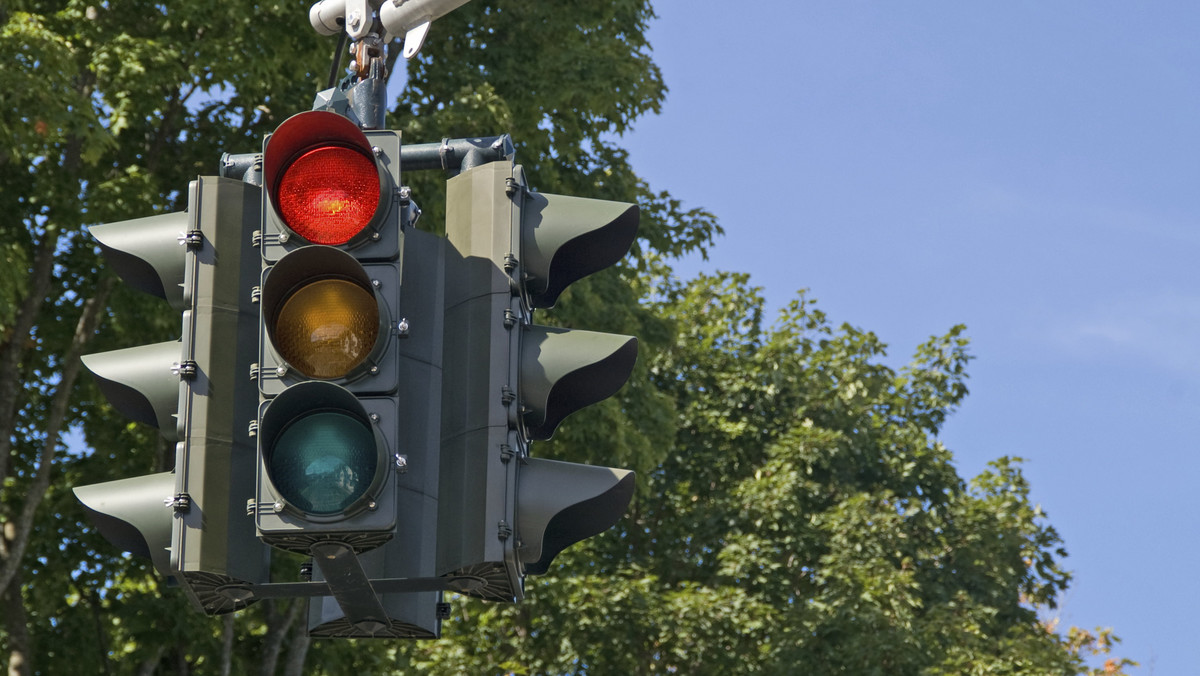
point(323, 179)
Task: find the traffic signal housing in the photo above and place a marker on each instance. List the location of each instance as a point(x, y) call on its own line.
point(190, 521)
point(346, 459)
point(508, 382)
point(330, 290)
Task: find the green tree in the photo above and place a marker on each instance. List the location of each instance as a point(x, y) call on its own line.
point(794, 504)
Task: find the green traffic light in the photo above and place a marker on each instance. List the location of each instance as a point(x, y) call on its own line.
point(323, 463)
point(323, 459)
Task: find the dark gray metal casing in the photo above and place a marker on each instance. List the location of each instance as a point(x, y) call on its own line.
point(215, 547)
point(507, 382)
point(190, 522)
point(479, 441)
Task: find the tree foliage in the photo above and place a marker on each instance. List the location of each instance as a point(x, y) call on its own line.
point(795, 508)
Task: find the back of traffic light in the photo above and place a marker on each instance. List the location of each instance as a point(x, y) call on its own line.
point(507, 382)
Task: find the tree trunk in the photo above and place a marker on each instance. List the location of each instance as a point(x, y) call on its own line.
point(150, 664)
point(18, 632)
point(226, 644)
point(299, 648)
point(278, 626)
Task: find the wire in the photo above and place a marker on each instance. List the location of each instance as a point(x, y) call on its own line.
point(337, 60)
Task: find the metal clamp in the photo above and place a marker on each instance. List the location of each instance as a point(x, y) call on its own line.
point(192, 239)
point(180, 502)
point(186, 369)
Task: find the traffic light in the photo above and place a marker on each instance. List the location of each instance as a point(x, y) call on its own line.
point(329, 294)
point(346, 458)
point(190, 521)
point(360, 392)
point(507, 382)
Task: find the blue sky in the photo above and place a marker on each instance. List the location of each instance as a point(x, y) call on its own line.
point(1029, 169)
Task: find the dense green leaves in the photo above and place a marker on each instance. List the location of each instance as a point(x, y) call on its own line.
point(795, 510)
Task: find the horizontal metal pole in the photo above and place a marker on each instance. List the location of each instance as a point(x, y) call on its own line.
point(391, 585)
point(452, 155)
point(456, 154)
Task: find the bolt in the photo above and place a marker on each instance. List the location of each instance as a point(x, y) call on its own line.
point(281, 371)
point(376, 283)
point(377, 151)
point(284, 237)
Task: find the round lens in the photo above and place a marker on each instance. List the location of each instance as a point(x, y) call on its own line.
point(329, 194)
point(327, 328)
point(324, 462)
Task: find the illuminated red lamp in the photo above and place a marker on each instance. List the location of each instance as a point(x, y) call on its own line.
point(323, 180)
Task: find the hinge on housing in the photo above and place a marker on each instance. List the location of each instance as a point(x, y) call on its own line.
point(255, 371)
point(256, 239)
point(510, 263)
point(443, 611)
point(186, 369)
point(506, 453)
point(252, 428)
point(511, 186)
point(192, 239)
point(510, 318)
point(255, 294)
point(180, 502)
point(503, 530)
point(507, 396)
